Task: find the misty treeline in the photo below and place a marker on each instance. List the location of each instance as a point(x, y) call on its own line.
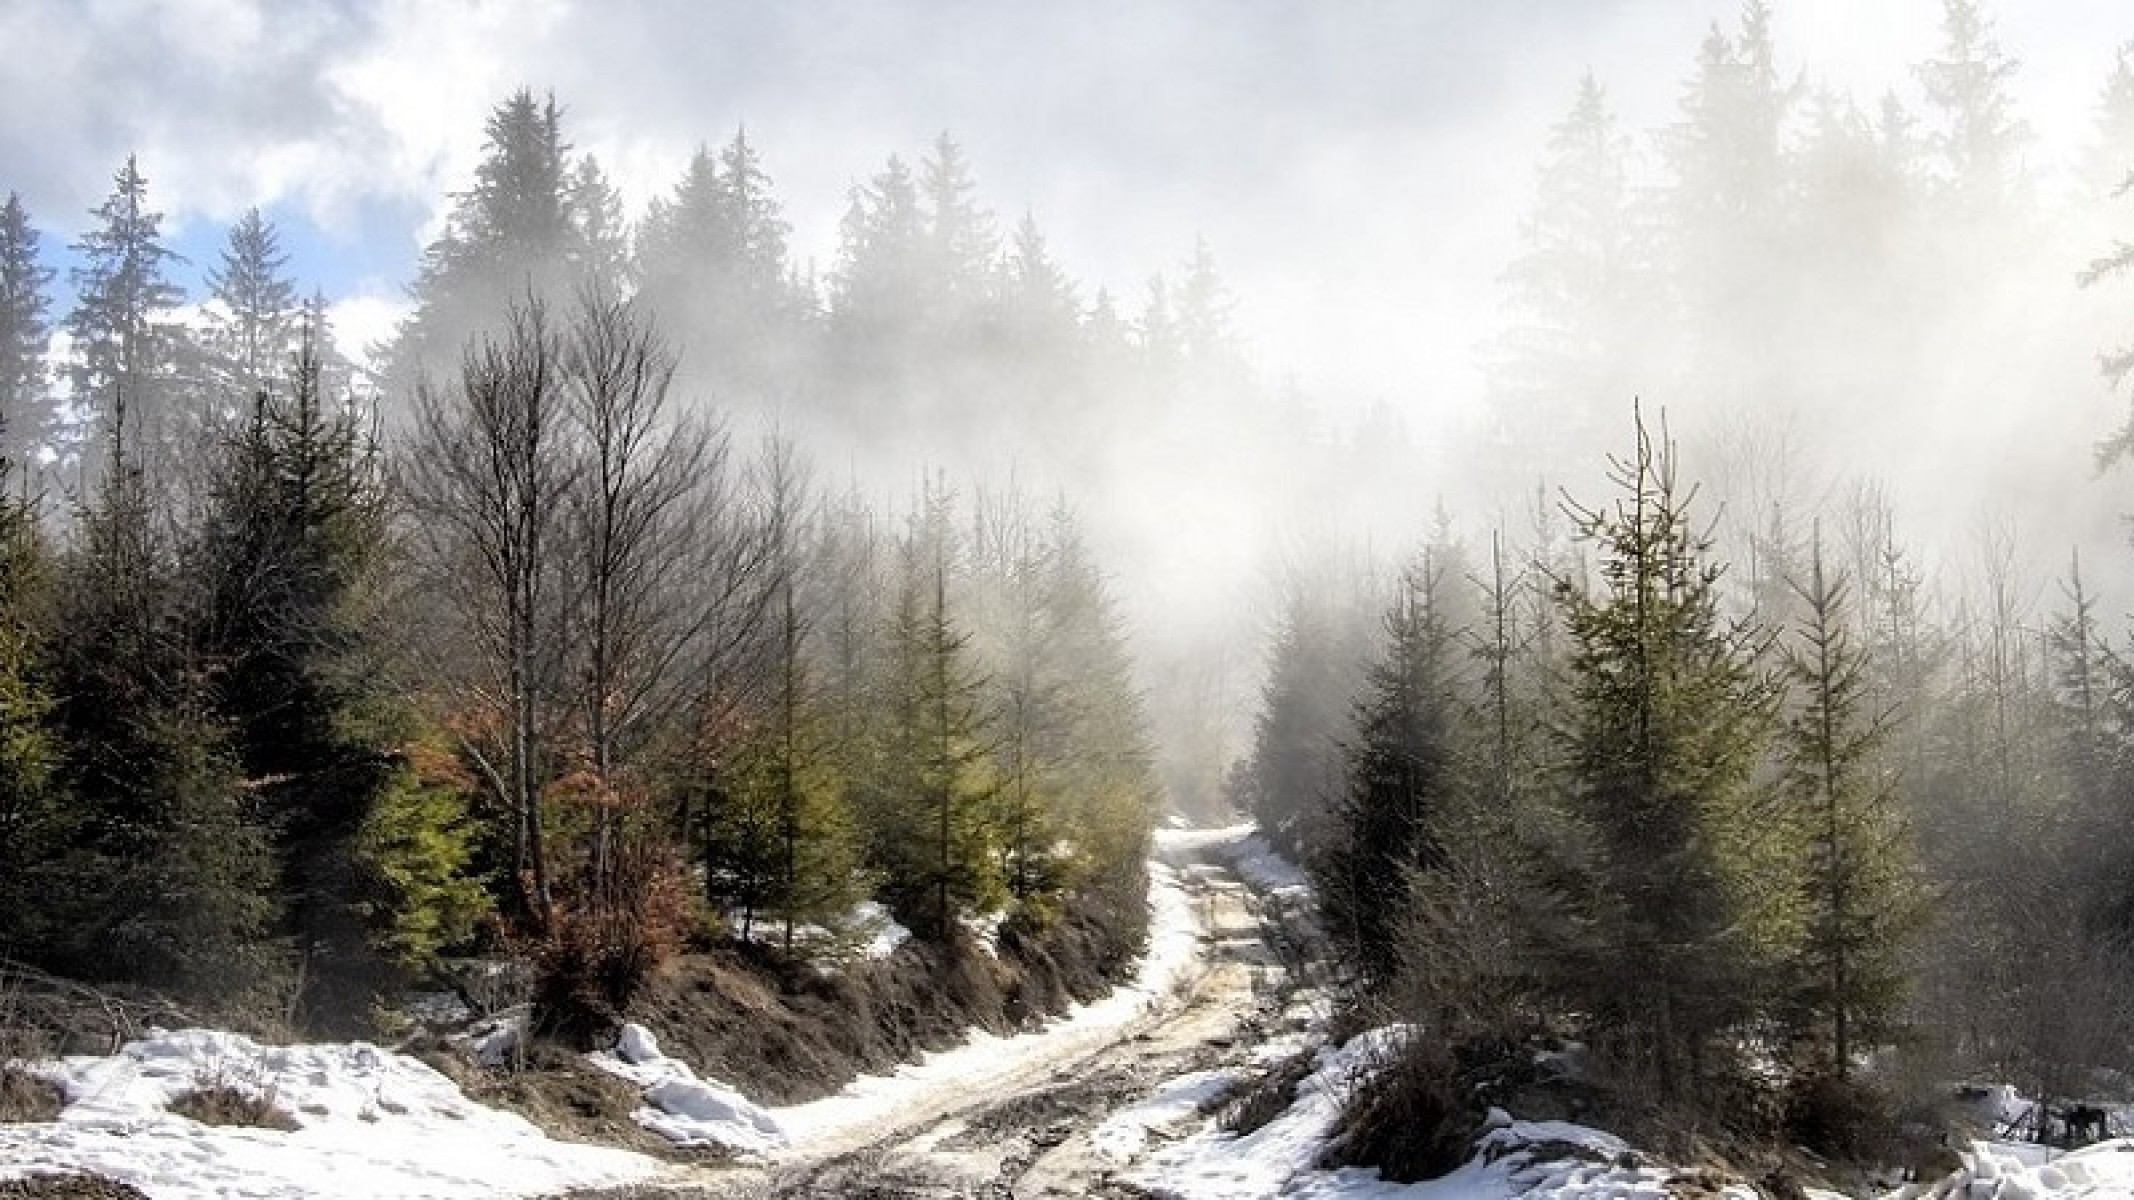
point(1781, 824)
point(1815, 278)
point(1781, 849)
point(308, 679)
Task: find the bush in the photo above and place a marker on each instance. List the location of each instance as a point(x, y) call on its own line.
point(595, 956)
point(213, 1100)
point(1269, 1096)
point(27, 1097)
point(1414, 1119)
point(1847, 1119)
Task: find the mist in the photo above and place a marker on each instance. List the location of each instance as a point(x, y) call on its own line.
point(1358, 185)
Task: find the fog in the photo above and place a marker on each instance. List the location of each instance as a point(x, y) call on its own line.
point(1363, 178)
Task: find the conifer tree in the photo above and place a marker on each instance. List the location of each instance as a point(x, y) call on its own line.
point(25, 332)
point(1667, 719)
point(1579, 292)
point(257, 327)
point(37, 824)
point(294, 543)
point(125, 347)
point(599, 231)
point(787, 840)
point(513, 234)
point(930, 800)
point(175, 872)
point(1390, 821)
point(1860, 899)
point(1977, 138)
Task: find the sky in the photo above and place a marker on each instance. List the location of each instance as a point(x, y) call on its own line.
point(1357, 168)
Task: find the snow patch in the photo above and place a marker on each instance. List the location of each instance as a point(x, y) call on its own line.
point(372, 1123)
point(985, 1058)
point(684, 1109)
point(1125, 1133)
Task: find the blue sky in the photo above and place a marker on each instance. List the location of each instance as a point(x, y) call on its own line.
point(1357, 167)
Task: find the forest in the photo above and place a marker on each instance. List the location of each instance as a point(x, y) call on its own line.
point(1783, 815)
point(1717, 712)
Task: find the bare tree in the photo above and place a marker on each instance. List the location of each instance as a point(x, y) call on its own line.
point(485, 477)
point(632, 518)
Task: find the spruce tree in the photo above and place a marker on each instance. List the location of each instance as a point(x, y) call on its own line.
point(256, 329)
point(175, 873)
point(930, 798)
point(1977, 138)
point(1401, 777)
point(1668, 717)
point(38, 825)
point(293, 544)
point(1861, 902)
point(1581, 292)
point(514, 234)
point(125, 346)
point(25, 333)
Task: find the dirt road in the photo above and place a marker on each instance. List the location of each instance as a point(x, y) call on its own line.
point(1027, 1135)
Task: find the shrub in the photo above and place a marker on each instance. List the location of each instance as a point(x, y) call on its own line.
point(27, 1097)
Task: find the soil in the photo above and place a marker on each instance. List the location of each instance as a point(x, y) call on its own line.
point(1026, 1134)
point(784, 1032)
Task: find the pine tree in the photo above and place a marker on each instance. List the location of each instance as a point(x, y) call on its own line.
point(930, 802)
point(1108, 792)
point(512, 236)
point(25, 332)
point(1728, 215)
point(1667, 719)
point(1978, 140)
point(2109, 162)
point(1018, 636)
point(600, 233)
point(1861, 903)
point(1579, 292)
point(960, 241)
point(293, 542)
point(1202, 312)
point(37, 824)
point(256, 329)
point(2111, 172)
point(1390, 822)
point(125, 348)
point(713, 260)
point(881, 265)
point(175, 873)
point(787, 842)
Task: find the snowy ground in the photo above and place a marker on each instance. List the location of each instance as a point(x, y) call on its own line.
point(696, 1112)
point(373, 1123)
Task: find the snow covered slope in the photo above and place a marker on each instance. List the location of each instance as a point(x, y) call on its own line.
point(373, 1124)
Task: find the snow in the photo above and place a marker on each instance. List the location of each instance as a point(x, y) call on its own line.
point(684, 1109)
point(373, 1123)
point(867, 933)
point(987, 1058)
point(1126, 1132)
point(1514, 1160)
point(2022, 1171)
point(692, 1111)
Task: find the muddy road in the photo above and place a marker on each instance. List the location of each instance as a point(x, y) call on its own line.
point(1028, 1133)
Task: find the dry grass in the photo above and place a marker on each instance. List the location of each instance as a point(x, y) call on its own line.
point(219, 1102)
point(1267, 1097)
point(26, 1097)
point(68, 1187)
